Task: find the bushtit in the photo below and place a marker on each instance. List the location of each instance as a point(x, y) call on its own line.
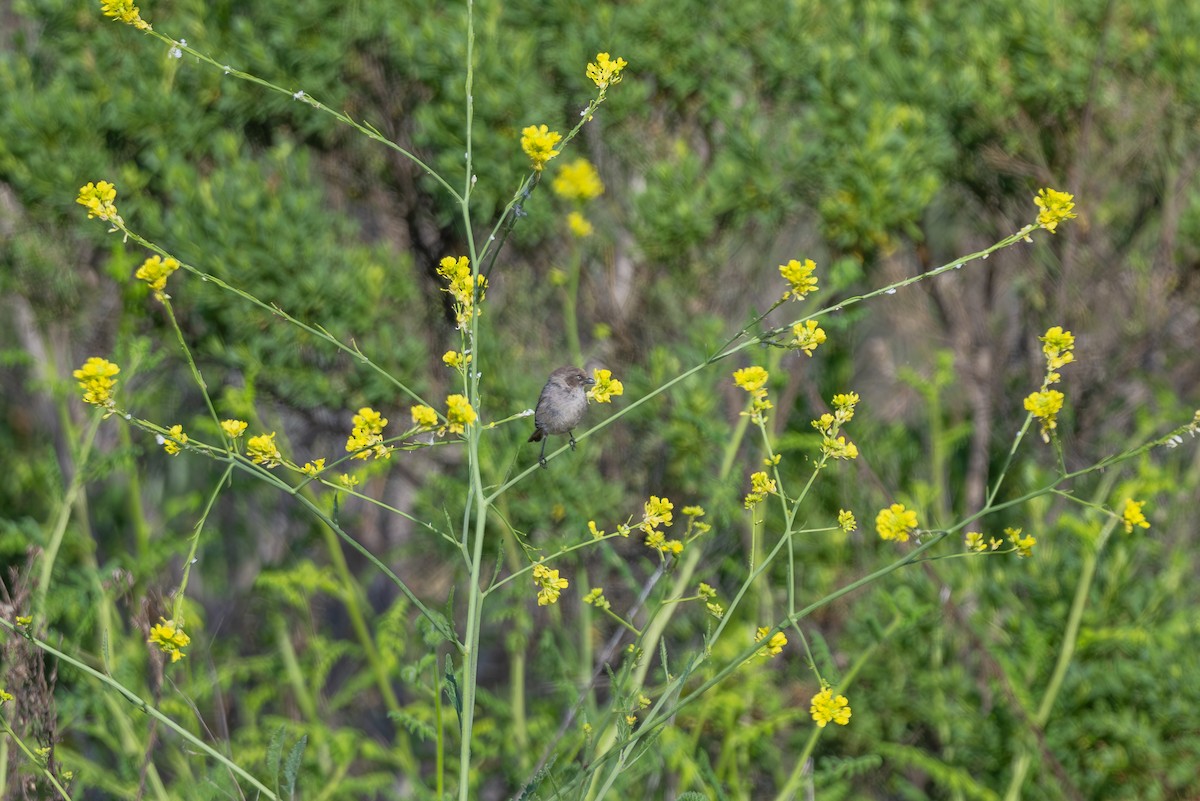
point(561, 405)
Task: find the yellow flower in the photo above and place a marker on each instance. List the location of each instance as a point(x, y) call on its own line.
point(262, 450)
point(6, 696)
point(124, 11)
point(96, 380)
point(693, 511)
point(799, 276)
point(155, 271)
point(751, 379)
point(578, 181)
point(424, 417)
point(538, 142)
point(313, 467)
point(596, 598)
point(974, 542)
point(658, 541)
point(1024, 545)
point(172, 446)
point(457, 272)
point(233, 428)
point(605, 387)
point(774, 645)
point(579, 225)
point(658, 511)
point(843, 407)
point(170, 638)
point(1045, 406)
point(1057, 345)
point(24, 621)
point(846, 521)
point(99, 199)
point(838, 448)
point(1132, 515)
point(808, 336)
point(596, 533)
point(459, 414)
point(367, 435)
point(761, 485)
point(1055, 208)
point(606, 71)
point(826, 707)
point(348, 481)
point(549, 583)
point(895, 522)
point(453, 358)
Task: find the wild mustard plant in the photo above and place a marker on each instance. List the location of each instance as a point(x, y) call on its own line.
point(637, 711)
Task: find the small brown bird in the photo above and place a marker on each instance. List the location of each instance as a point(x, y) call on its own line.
point(561, 405)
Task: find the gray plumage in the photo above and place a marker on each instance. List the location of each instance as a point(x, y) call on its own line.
point(561, 406)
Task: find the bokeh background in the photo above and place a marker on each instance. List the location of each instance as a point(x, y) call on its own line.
point(880, 139)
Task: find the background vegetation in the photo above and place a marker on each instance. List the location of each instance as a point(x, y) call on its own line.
point(879, 138)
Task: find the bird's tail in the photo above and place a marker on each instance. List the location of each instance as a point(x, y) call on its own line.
point(536, 436)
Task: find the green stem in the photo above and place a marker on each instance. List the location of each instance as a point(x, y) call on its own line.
point(33, 758)
point(177, 612)
point(50, 555)
point(200, 382)
point(1065, 655)
point(143, 706)
point(792, 786)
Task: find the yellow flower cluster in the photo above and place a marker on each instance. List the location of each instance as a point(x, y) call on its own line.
point(99, 199)
point(808, 336)
point(606, 71)
point(538, 142)
point(1045, 406)
point(1022, 545)
point(1132, 515)
point(829, 708)
point(262, 450)
point(753, 379)
point(170, 638)
point(578, 181)
point(605, 387)
point(833, 445)
point(96, 379)
point(124, 11)
point(846, 521)
point(549, 584)
point(233, 428)
point(774, 645)
point(367, 435)
point(177, 439)
point(800, 278)
point(459, 414)
point(458, 361)
point(761, 485)
point(596, 598)
point(895, 522)
point(658, 512)
point(709, 596)
point(1055, 208)
point(155, 271)
point(424, 417)
point(1058, 346)
point(313, 468)
point(578, 225)
point(975, 542)
point(462, 287)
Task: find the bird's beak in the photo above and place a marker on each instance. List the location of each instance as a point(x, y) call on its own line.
point(589, 380)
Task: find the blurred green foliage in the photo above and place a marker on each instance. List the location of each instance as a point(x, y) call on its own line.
point(882, 138)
